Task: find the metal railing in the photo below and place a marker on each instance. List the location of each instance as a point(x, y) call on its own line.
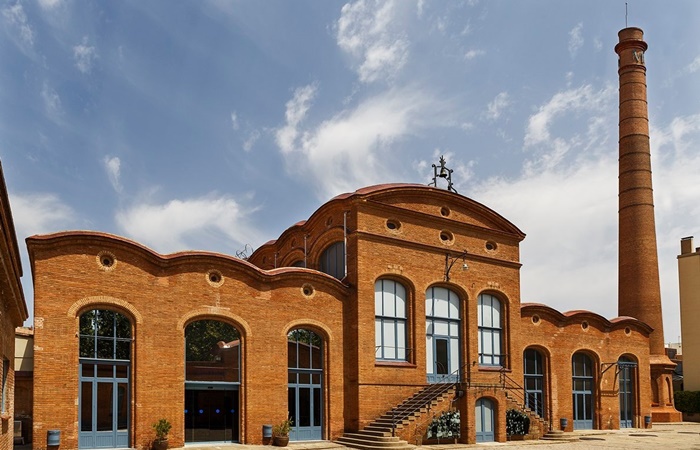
point(526, 399)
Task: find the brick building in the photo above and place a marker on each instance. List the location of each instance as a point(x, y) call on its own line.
point(689, 291)
point(385, 308)
point(13, 312)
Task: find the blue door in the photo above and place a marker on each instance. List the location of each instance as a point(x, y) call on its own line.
point(305, 387)
point(442, 310)
point(626, 369)
point(484, 416)
point(104, 405)
point(582, 367)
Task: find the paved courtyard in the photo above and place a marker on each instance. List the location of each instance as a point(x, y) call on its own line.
point(677, 436)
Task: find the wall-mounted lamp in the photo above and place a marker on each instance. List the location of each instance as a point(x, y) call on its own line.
point(451, 260)
point(445, 173)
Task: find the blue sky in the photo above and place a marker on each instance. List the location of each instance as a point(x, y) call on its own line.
point(214, 124)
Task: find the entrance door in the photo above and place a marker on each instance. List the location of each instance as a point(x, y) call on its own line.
point(442, 335)
point(582, 392)
point(626, 373)
point(304, 384)
point(104, 406)
point(305, 406)
point(211, 413)
point(484, 416)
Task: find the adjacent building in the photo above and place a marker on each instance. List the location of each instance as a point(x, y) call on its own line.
point(689, 291)
point(13, 313)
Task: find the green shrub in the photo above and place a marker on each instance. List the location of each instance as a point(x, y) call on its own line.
point(517, 422)
point(687, 401)
point(446, 425)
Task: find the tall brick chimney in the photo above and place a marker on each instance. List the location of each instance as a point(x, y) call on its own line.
point(639, 295)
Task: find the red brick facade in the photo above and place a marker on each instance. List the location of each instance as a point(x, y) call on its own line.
point(13, 312)
point(402, 233)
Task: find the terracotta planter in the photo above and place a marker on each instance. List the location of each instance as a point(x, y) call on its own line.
point(160, 444)
point(280, 441)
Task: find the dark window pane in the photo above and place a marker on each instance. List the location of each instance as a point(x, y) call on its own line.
point(304, 378)
point(86, 406)
point(123, 327)
point(122, 407)
point(87, 323)
point(317, 407)
point(105, 348)
point(105, 371)
point(105, 323)
point(122, 371)
point(123, 350)
point(104, 406)
point(292, 405)
point(87, 347)
point(88, 370)
point(304, 407)
point(212, 351)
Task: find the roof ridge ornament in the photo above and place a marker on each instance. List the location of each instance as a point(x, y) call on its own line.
point(443, 173)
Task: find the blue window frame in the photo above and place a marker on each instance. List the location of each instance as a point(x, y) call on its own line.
point(390, 320)
point(490, 331)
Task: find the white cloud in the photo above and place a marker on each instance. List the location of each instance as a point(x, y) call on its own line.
point(345, 152)
point(575, 39)
point(234, 121)
point(113, 166)
point(52, 101)
point(571, 101)
point(471, 54)
point(186, 224)
point(364, 30)
point(39, 214)
point(296, 111)
point(496, 107)
point(84, 56)
point(49, 4)
point(694, 66)
point(252, 139)
point(16, 18)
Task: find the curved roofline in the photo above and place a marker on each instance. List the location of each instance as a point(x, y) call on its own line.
point(370, 191)
point(571, 316)
point(172, 259)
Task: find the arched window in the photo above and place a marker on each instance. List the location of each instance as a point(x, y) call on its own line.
point(212, 381)
point(333, 260)
point(305, 375)
point(534, 381)
point(490, 331)
point(582, 371)
point(442, 310)
point(299, 263)
point(390, 320)
point(105, 362)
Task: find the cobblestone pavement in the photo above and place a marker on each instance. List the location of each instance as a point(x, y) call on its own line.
point(677, 436)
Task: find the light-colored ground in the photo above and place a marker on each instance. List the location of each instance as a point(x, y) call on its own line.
point(677, 436)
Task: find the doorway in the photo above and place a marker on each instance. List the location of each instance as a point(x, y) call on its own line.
point(211, 413)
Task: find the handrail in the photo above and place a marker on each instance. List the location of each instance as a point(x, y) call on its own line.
point(526, 398)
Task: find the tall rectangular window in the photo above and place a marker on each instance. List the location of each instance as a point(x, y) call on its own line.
point(390, 320)
point(489, 312)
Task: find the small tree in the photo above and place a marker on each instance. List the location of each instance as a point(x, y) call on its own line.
point(517, 422)
point(162, 428)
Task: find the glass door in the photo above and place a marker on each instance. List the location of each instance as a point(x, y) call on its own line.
point(211, 413)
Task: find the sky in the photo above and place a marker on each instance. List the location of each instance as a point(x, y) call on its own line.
point(215, 125)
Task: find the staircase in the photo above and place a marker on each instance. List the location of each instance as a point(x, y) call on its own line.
point(381, 432)
point(516, 397)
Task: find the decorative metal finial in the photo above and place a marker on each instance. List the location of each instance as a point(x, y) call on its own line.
point(443, 173)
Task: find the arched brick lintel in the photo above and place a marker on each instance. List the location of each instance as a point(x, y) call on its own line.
point(103, 300)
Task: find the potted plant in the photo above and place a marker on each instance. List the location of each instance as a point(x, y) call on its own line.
point(280, 433)
point(162, 428)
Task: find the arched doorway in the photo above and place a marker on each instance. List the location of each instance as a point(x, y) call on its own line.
point(212, 382)
point(442, 312)
point(484, 415)
point(582, 391)
point(305, 389)
point(534, 381)
point(626, 373)
point(105, 368)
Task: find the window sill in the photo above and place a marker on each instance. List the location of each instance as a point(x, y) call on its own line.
point(494, 369)
point(404, 364)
